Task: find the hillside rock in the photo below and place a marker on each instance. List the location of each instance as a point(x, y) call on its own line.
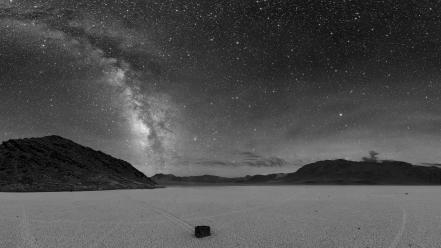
point(53, 163)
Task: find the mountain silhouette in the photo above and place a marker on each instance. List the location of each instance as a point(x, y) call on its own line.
point(328, 172)
point(53, 163)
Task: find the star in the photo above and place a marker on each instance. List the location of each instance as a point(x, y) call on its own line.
point(284, 79)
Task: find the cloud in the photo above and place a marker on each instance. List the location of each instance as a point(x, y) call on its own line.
point(209, 162)
point(241, 159)
point(255, 160)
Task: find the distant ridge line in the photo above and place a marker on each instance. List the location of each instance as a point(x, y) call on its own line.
point(326, 172)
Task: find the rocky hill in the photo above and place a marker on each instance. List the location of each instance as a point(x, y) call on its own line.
point(328, 172)
point(53, 163)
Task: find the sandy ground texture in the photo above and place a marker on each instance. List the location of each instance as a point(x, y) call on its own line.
point(242, 216)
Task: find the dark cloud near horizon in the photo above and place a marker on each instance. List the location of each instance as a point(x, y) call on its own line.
point(243, 159)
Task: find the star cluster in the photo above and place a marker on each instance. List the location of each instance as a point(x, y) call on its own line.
point(225, 87)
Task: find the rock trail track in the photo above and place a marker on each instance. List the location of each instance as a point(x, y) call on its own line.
point(27, 239)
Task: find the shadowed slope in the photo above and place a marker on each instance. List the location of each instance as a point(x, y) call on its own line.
point(53, 163)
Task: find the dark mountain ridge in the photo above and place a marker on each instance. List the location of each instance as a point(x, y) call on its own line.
point(53, 163)
point(365, 172)
point(328, 172)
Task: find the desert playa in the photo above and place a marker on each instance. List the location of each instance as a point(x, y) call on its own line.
point(240, 216)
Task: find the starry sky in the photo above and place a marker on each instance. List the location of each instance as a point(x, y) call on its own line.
point(225, 87)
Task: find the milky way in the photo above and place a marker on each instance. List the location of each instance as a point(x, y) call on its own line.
point(225, 87)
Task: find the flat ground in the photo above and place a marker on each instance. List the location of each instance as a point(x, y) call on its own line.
point(242, 216)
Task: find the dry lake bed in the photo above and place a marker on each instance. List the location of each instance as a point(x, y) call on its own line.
point(240, 216)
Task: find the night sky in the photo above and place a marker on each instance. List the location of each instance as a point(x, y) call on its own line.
point(225, 87)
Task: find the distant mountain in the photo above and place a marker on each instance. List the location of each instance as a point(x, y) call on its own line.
point(169, 179)
point(328, 172)
point(53, 163)
point(365, 172)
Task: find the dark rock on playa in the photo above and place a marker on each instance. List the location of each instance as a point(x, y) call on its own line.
point(202, 231)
